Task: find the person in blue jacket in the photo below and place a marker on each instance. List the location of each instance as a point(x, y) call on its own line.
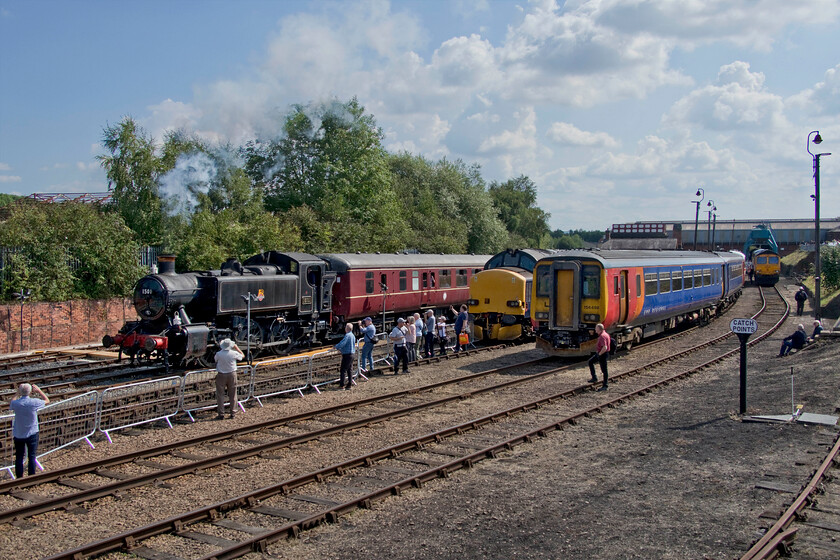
point(347, 347)
point(796, 340)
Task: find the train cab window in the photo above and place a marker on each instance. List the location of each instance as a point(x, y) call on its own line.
point(415, 280)
point(615, 285)
point(543, 278)
point(664, 282)
point(445, 279)
point(676, 281)
point(761, 260)
point(638, 285)
point(461, 278)
point(651, 286)
point(368, 282)
point(773, 260)
point(403, 280)
point(591, 282)
point(707, 277)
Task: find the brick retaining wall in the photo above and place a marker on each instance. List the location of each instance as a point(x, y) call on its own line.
point(50, 324)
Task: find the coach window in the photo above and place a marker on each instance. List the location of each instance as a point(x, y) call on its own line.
point(368, 282)
point(432, 279)
point(615, 285)
point(543, 277)
point(591, 284)
point(707, 277)
point(638, 285)
point(445, 279)
point(664, 282)
point(651, 288)
point(425, 280)
point(461, 278)
point(383, 281)
point(403, 280)
point(698, 278)
point(415, 280)
point(676, 281)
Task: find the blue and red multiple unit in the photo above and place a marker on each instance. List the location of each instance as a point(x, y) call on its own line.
point(634, 294)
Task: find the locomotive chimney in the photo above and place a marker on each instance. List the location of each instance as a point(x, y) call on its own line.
point(166, 264)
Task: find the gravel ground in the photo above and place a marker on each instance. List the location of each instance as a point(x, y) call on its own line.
point(671, 475)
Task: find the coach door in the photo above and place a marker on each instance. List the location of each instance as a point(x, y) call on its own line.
point(566, 300)
point(622, 297)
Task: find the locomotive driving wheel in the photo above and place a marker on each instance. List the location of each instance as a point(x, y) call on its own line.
point(281, 337)
point(254, 333)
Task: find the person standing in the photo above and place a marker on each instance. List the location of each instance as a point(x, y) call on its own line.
point(397, 337)
point(441, 333)
point(226, 359)
point(602, 352)
point(347, 347)
point(368, 331)
point(25, 430)
point(420, 329)
point(411, 339)
point(430, 333)
point(801, 297)
point(461, 323)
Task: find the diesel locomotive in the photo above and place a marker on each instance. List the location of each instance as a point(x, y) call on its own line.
point(500, 295)
point(634, 294)
point(276, 301)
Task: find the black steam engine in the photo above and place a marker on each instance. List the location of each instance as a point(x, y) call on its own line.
point(184, 316)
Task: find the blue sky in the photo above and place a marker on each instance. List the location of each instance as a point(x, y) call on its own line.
point(617, 109)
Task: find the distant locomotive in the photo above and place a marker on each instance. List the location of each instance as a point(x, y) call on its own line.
point(635, 294)
point(500, 295)
point(767, 266)
point(296, 299)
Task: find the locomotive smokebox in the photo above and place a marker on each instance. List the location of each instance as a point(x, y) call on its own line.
point(166, 264)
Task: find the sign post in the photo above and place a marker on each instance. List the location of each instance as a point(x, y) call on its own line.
point(743, 328)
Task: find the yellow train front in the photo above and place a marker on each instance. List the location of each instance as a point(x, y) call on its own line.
point(767, 266)
point(500, 295)
point(634, 294)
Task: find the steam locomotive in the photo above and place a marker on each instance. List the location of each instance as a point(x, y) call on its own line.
point(276, 301)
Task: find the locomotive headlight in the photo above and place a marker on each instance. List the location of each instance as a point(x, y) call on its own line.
point(513, 303)
point(472, 302)
point(592, 317)
point(541, 315)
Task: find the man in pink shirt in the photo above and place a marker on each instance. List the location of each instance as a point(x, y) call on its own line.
point(602, 352)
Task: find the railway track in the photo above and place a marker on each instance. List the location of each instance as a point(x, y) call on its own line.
point(323, 494)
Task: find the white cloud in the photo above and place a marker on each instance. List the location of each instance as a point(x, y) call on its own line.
point(10, 179)
point(569, 135)
point(5, 166)
point(824, 97)
point(523, 138)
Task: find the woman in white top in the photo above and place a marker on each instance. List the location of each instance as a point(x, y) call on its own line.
point(441, 332)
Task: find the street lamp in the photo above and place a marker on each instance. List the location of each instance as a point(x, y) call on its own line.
point(22, 295)
point(714, 226)
point(702, 194)
point(712, 208)
point(816, 157)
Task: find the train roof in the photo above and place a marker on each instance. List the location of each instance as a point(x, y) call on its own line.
point(517, 258)
point(342, 262)
point(616, 258)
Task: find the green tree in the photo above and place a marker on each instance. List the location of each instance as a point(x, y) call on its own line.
point(5, 199)
point(69, 250)
point(330, 159)
point(132, 169)
point(516, 200)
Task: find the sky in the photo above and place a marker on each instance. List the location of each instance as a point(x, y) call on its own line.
point(618, 110)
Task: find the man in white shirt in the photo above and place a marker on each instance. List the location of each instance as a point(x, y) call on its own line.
point(226, 359)
point(397, 337)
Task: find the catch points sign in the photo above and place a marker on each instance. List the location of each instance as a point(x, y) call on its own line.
point(743, 326)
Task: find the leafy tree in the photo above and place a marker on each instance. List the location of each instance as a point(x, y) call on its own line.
point(830, 266)
point(515, 200)
point(68, 250)
point(132, 170)
point(330, 159)
point(6, 199)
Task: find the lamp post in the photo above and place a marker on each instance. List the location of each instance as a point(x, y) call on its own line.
point(702, 194)
point(712, 208)
point(714, 225)
point(816, 157)
point(22, 295)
